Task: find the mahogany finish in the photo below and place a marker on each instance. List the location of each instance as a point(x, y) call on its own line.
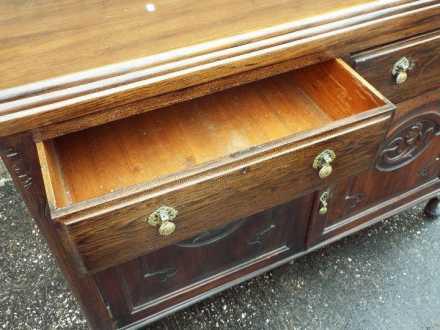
point(109, 110)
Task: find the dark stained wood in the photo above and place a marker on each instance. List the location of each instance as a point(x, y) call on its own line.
point(147, 313)
point(409, 158)
point(20, 157)
point(310, 41)
point(156, 281)
point(379, 212)
point(424, 54)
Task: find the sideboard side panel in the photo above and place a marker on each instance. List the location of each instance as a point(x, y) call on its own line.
point(20, 158)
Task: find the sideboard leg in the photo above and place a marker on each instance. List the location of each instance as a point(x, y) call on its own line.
point(19, 155)
point(432, 209)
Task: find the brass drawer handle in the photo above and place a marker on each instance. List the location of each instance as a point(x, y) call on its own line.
point(323, 202)
point(323, 161)
point(400, 70)
point(163, 217)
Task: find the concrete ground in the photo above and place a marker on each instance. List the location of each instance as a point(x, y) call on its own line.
point(385, 277)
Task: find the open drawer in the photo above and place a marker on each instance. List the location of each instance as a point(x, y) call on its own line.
point(209, 161)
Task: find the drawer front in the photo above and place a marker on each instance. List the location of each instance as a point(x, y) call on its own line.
point(423, 74)
point(224, 195)
point(192, 267)
point(407, 167)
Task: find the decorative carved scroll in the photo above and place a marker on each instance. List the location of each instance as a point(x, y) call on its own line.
point(211, 236)
point(163, 275)
point(259, 237)
point(407, 143)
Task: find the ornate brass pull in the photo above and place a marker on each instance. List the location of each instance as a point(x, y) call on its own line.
point(323, 161)
point(323, 202)
point(400, 70)
point(163, 217)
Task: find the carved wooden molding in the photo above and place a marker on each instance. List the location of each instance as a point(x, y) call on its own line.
point(259, 237)
point(211, 236)
point(407, 143)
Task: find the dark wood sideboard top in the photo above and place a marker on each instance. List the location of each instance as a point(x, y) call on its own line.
point(63, 60)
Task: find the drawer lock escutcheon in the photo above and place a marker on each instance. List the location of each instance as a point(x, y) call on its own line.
point(323, 202)
point(163, 217)
point(322, 163)
point(400, 70)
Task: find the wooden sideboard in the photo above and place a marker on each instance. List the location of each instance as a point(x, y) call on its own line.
point(171, 150)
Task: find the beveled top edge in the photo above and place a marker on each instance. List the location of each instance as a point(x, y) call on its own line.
point(43, 103)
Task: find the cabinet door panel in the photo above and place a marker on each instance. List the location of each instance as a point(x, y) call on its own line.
point(177, 273)
point(407, 167)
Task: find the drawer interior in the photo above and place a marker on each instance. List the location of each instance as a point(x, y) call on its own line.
point(151, 146)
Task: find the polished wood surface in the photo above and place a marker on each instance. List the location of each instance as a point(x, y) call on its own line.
point(422, 51)
point(308, 41)
point(46, 39)
point(139, 149)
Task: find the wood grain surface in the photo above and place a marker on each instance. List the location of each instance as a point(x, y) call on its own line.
point(312, 40)
point(94, 162)
point(422, 51)
point(414, 140)
point(49, 38)
point(219, 198)
point(238, 152)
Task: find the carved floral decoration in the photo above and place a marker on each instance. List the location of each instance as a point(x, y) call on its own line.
point(407, 144)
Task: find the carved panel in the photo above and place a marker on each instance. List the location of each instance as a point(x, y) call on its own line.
point(259, 237)
point(211, 236)
point(407, 143)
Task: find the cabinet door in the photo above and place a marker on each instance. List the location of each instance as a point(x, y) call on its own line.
point(206, 263)
point(406, 170)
